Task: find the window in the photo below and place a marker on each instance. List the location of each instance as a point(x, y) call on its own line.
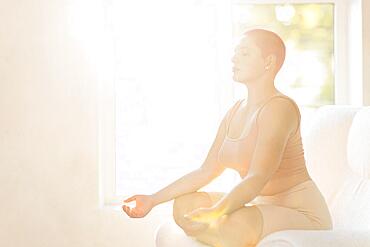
point(167, 114)
point(173, 82)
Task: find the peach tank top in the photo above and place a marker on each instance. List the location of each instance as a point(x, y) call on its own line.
point(237, 153)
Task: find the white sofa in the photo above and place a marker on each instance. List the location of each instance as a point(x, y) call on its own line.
point(337, 151)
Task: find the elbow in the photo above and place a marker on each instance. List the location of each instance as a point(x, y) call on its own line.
point(209, 175)
point(261, 175)
point(256, 181)
point(206, 174)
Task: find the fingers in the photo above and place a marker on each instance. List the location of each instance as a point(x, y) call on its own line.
point(126, 209)
point(133, 213)
point(130, 199)
point(193, 228)
point(196, 213)
point(192, 221)
point(191, 216)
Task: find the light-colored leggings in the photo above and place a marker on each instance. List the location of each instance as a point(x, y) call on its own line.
point(300, 207)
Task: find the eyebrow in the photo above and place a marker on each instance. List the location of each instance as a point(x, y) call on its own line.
point(242, 47)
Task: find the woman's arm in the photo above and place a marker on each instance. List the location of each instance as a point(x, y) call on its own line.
point(200, 177)
point(188, 183)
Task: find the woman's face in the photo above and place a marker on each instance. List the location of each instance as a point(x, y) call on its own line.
point(248, 63)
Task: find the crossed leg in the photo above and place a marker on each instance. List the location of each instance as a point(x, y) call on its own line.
point(242, 228)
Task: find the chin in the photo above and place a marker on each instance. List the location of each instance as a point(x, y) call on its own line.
point(238, 79)
point(235, 78)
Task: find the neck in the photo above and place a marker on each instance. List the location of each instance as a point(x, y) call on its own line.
point(259, 90)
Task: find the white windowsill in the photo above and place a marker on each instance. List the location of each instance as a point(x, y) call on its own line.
point(164, 209)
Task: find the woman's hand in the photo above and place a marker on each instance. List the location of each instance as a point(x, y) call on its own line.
point(192, 228)
point(204, 215)
point(144, 203)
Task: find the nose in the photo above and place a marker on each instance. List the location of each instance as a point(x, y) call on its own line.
point(233, 58)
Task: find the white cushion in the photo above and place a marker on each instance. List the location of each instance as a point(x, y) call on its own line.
point(358, 146)
point(325, 146)
point(169, 234)
point(311, 238)
point(351, 206)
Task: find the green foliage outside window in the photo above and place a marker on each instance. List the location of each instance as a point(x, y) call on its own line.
point(308, 31)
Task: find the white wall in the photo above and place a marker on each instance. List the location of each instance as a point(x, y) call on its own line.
point(48, 132)
point(359, 52)
point(366, 51)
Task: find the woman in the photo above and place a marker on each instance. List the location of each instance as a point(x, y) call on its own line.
point(261, 139)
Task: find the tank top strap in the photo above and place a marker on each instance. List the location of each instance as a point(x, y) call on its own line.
point(282, 96)
point(231, 113)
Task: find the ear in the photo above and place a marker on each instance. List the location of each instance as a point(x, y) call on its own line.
point(270, 60)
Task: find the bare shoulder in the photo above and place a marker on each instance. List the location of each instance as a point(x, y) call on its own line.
point(280, 113)
point(279, 106)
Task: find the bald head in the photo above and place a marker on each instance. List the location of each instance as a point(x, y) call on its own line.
point(269, 43)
